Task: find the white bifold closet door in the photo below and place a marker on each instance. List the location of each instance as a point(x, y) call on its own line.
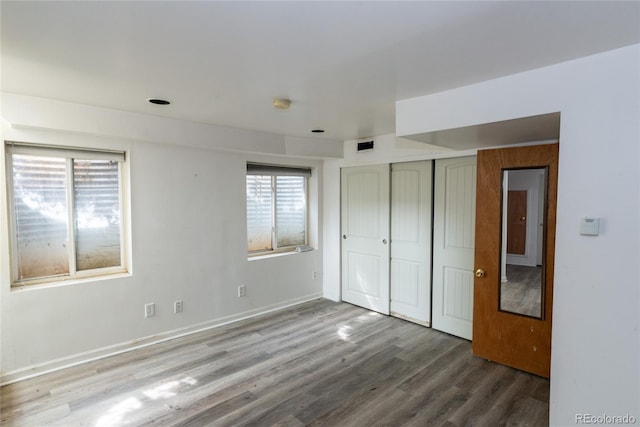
point(453, 245)
point(386, 238)
point(411, 241)
point(365, 236)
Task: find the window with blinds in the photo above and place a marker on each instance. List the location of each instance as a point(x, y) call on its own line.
point(66, 211)
point(276, 208)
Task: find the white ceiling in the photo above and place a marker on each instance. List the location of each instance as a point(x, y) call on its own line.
point(343, 64)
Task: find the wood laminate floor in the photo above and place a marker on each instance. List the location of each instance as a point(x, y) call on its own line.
point(319, 363)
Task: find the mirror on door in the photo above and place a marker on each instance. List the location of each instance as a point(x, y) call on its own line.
point(522, 248)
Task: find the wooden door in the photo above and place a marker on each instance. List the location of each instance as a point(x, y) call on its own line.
point(411, 241)
point(453, 245)
point(516, 340)
point(517, 221)
point(365, 236)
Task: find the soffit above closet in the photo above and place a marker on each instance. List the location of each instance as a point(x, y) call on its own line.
point(545, 127)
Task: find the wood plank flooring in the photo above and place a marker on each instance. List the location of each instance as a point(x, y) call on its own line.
point(319, 363)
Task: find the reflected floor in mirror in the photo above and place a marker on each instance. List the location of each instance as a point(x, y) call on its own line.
point(521, 293)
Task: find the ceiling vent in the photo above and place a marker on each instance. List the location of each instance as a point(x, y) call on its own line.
point(367, 145)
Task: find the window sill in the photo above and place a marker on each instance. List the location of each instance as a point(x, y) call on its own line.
point(22, 287)
point(275, 254)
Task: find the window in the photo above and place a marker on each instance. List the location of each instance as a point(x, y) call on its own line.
point(276, 207)
point(66, 212)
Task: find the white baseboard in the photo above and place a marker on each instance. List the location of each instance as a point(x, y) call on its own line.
point(101, 353)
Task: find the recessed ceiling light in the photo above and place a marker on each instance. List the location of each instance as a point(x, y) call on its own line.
point(158, 101)
point(317, 130)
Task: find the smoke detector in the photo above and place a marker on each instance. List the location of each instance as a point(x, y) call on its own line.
point(281, 103)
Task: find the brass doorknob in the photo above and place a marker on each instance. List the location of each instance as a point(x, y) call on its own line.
point(479, 272)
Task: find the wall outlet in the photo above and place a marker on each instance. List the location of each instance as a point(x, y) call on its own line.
point(314, 275)
point(177, 307)
point(242, 290)
point(149, 310)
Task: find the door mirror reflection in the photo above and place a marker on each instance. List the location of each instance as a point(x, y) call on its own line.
point(522, 248)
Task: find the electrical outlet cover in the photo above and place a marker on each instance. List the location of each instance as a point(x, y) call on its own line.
point(177, 307)
point(149, 310)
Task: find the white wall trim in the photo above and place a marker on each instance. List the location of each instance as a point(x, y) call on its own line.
point(104, 352)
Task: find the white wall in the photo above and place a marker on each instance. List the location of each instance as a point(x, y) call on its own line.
point(595, 360)
point(188, 235)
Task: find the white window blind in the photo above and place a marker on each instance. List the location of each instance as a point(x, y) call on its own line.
point(276, 207)
point(41, 216)
point(259, 212)
point(291, 212)
point(97, 213)
point(66, 211)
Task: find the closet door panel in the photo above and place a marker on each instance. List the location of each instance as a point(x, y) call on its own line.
point(453, 245)
point(411, 241)
point(365, 236)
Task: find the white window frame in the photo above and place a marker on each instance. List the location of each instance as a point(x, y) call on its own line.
point(68, 153)
point(274, 171)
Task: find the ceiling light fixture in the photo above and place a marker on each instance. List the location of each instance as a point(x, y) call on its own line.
point(281, 103)
point(158, 101)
